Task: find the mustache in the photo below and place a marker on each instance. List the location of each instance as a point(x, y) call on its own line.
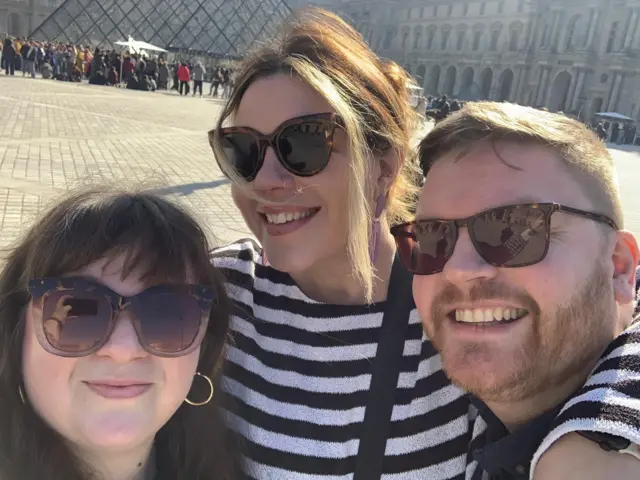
point(482, 291)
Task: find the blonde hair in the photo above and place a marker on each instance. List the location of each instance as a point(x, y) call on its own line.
point(371, 97)
point(582, 152)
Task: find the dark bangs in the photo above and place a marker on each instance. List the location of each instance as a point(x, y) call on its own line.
point(158, 238)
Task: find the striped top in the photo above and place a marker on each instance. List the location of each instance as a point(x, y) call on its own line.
point(298, 372)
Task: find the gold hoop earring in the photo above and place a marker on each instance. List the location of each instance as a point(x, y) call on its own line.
point(24, 402)
point(198, 404)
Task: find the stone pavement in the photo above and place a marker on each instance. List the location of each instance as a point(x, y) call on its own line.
point(55, 136)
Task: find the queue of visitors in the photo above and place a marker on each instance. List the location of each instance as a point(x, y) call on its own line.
point(74, 63)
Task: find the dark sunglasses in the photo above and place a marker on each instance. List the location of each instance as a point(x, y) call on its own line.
point(507, 237)
point(303, 145)
point(74, 317)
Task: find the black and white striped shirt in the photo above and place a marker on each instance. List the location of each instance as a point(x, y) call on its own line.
point(299, 374)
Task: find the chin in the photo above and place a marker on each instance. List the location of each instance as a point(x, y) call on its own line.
point(118, 432)
point(289, 260)
point(486, 375)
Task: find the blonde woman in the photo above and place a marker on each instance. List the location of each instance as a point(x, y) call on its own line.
point(332, 374)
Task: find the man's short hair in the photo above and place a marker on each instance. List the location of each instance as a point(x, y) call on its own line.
point(581, 150)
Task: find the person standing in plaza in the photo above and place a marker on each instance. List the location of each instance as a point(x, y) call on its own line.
point(29, 53)
point(184, 77)
point(8, 57)
point(198, 78)
point(331, 373)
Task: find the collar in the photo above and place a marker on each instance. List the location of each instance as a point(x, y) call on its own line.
point(508, 455)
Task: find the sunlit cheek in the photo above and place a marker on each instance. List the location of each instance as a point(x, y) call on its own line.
point(180, 376)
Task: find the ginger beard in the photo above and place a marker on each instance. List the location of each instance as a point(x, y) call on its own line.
point(549, 348)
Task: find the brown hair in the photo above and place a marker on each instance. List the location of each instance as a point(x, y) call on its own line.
point(163, 241)
point(583, 153)
point(370, 95)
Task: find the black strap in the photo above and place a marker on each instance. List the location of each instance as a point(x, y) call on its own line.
point(385, 373)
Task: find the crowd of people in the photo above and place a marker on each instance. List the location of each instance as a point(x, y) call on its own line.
point(136, 71)
point(473, 319)
point(620, 133)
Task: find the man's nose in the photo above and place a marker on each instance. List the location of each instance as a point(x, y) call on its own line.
point(466, 265)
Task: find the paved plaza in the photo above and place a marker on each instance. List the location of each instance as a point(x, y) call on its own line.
point(55, 136)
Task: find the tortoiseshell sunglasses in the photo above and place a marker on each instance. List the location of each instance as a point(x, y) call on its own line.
point(511, 236)
point(303, 145)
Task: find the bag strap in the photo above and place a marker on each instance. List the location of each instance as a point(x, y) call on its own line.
point(385, 373)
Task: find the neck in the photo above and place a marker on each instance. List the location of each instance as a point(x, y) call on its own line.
point(516, 414)
point(135, 464)
point(332, 280)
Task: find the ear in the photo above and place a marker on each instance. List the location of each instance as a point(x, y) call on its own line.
point(389, 169)
point(625, 262)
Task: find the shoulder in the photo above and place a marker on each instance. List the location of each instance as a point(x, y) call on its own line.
point(237, 254)
point(609, 402)
point(237, 261)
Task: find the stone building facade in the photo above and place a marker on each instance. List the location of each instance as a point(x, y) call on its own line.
point(576, 56)
point(20, 17)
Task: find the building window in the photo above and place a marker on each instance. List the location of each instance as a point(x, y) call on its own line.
point(520, 6)
point(613, 34)
point(495, 36)
point(422, 12)
point(435, 11)
point(408, 14)
point(500, 7)
point(482, 7)
point(465, 9)
point(476, 41)
point(543, 37)
point(416, 40)
point(571, 31)
point(513, 40)
point(445, 39)
point(460, 42)
point(388, 38)
point(449, 10)
point(432, 36)
point(405, 37)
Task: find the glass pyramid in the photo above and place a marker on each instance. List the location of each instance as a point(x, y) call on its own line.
point(213, 27)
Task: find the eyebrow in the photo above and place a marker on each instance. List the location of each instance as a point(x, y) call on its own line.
point(520, 200)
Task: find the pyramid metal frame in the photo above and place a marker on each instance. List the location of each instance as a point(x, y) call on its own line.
point(224, 28)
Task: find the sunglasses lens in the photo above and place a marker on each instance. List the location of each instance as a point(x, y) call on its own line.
point(169, 321)
point(305, 148)
point(425, 246)
point(75, 322)
point(242, 150)
point(511, 236)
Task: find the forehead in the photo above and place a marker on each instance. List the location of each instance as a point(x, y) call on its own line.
point(458, 185)
point(109, 272)
point(272, 100)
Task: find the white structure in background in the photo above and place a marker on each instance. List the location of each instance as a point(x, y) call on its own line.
point(567, 55)
point(20, 17)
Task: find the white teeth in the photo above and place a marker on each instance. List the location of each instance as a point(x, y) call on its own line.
point(279, 218)
point(486, 315)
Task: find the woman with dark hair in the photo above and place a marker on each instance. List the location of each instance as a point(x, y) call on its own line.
point(113, 326)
